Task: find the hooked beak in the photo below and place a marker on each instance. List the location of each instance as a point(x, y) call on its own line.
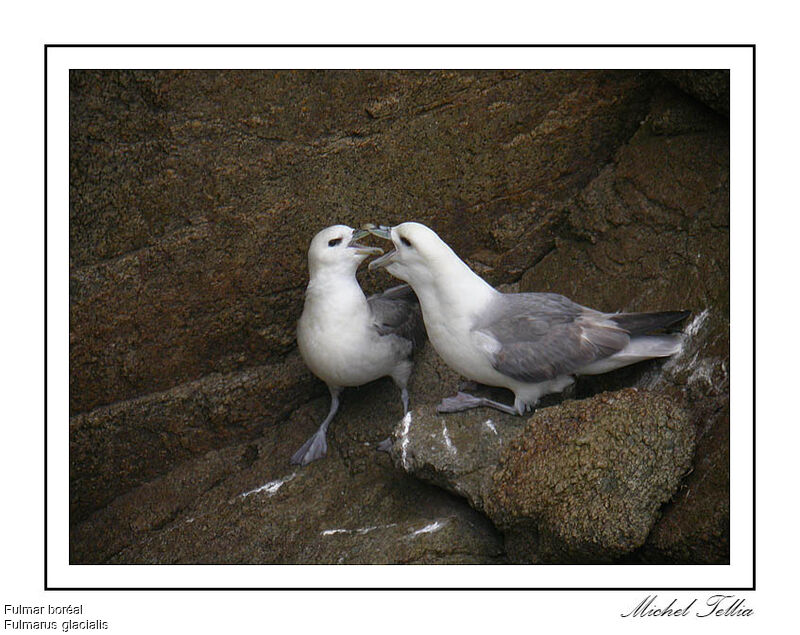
point(363, 250)
point(383, 261)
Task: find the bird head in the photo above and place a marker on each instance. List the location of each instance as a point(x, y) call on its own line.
point(418, 252)
point(337, 248)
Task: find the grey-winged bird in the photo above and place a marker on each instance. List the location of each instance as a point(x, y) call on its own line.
point(531, 343)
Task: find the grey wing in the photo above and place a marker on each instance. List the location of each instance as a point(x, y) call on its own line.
point(540, 336)
point(396, 311)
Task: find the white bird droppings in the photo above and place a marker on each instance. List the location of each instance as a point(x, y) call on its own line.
point(450, 447)
point(686, 359)
point(705, 371)
point(430, 528)
point(404, 439)
point(270, 488)
point(490, 424)
point(360, 531)
point(693, 328)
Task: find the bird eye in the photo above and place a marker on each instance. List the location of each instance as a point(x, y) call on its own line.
point(405, 241)
point(334, 241)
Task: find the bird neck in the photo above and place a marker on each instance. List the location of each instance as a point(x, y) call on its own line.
point(457, 289)
point(328, 285)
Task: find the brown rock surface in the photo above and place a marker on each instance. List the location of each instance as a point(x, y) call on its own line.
point(651, 232)
point(585, 480)
point(245, 505)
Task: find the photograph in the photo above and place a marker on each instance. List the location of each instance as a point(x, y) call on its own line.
point(399, 316)
point(375, 332)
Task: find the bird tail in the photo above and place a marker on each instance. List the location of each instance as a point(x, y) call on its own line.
point(641, 323)
point(638, 349)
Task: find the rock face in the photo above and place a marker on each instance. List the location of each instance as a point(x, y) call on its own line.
point(134, 439)
point(193, 195)
point(712, 87)
point(245, 505)
point(458, 452)
point(582, 481)
point(585, 480)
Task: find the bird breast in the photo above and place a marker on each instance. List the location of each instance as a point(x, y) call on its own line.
point(466, 351)
point(340, 345)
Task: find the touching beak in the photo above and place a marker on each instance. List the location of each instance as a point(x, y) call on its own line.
point(381, 231)
point(363, 250)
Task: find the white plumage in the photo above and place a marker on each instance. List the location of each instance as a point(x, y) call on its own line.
point(345, 338)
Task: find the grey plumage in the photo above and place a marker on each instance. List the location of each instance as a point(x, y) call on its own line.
point(544, 335)
point(534, 344)
point(396, 311)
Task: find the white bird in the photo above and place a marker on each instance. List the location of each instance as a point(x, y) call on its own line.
point(345, 338)
point(530, 343)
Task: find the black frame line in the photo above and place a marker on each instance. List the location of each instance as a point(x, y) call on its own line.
point(311, 45)
point(45, 318)
point(754, 316)
point(384, 45)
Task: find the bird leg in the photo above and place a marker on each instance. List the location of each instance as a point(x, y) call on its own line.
point(404, 397)
point(316, 447)
point(463, 401)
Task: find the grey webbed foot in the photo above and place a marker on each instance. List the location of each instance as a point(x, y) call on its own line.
point(385, 445)
point(315, 448)
point(462, 401)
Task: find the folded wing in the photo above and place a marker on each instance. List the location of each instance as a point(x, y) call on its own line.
point(540, 336)
point(396, 311)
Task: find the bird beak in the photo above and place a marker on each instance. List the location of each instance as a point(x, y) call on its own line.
point(383, 261)
point(363, 250)
point(381, 231)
